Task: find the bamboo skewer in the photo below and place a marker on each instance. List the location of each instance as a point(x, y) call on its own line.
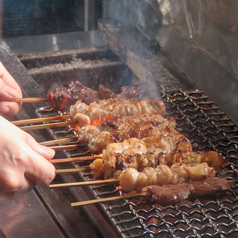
point(66, 147)
point(49, 125)
point(86, 183)
point(67, 160)
point(73, 170)
point(58, 141)
point(32, 99)
point(38, 120)
point(99, 200)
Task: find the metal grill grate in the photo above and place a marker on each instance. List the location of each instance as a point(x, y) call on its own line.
point(208, 128)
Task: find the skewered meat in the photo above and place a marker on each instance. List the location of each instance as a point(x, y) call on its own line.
point(102, 167)
point(97, 112)
point(61, 98)
point(171, 194)
point(121, 125)
point(116, 154)
point(131, 179)
point(155, 136)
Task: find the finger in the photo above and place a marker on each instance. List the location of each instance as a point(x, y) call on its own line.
point(9, 88)
point(7, 77)
point(8, 93)
point(44, 151)
point(39, 170)
point(9, 109)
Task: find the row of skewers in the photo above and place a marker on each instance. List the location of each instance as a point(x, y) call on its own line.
point(134, 145)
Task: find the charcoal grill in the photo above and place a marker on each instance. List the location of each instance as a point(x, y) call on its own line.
point(198, 117)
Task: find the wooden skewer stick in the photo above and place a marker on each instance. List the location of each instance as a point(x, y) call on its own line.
point(49, 125)
point(86, 183)
point(33, 99)
point(94, 201)
point(38, 120)
point(66, 147)
point(63, 140)
point(67, 160)
point(73, 170)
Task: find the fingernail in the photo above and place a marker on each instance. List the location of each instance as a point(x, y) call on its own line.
point(11, 92)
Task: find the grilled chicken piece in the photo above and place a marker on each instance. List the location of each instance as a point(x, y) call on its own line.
point(131, 179)
point(171, 194)
point(158, 138)
point(121, 125)
point(97, 112)
point(102, 168)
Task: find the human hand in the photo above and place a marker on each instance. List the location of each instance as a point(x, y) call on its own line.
point(24, 162)
point(9, 91)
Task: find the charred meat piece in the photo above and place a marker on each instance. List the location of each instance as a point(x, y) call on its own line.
point(61, 98)
point(171, 194)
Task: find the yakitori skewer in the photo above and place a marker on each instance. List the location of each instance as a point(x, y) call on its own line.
point(85, 183)
point(38, 120)
point(75, 159)
point(94, 201)
point(170, 194)
point(48, 125)
point(32, 99)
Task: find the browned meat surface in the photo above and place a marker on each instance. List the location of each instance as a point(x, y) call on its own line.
point(209, 186)
point(171, 194)
point(62, 98)
point(113, 162)
point(97, 112)
point(131, 179)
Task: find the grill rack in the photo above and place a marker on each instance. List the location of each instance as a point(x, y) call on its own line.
point(207, 128)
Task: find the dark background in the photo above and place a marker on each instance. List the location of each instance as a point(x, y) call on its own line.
point(35, 17)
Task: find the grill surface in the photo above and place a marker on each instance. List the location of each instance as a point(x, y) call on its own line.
point(208, 128)
point(197, 117)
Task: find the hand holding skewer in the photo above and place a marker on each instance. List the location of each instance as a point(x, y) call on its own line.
point(24, 162)
point(9, 91)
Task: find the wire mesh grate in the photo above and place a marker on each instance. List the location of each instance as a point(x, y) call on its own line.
point(207, 128)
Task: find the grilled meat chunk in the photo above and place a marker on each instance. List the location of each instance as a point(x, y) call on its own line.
point(131, 179)
point(171, 194)
point(63, 97)
point(97, 112)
